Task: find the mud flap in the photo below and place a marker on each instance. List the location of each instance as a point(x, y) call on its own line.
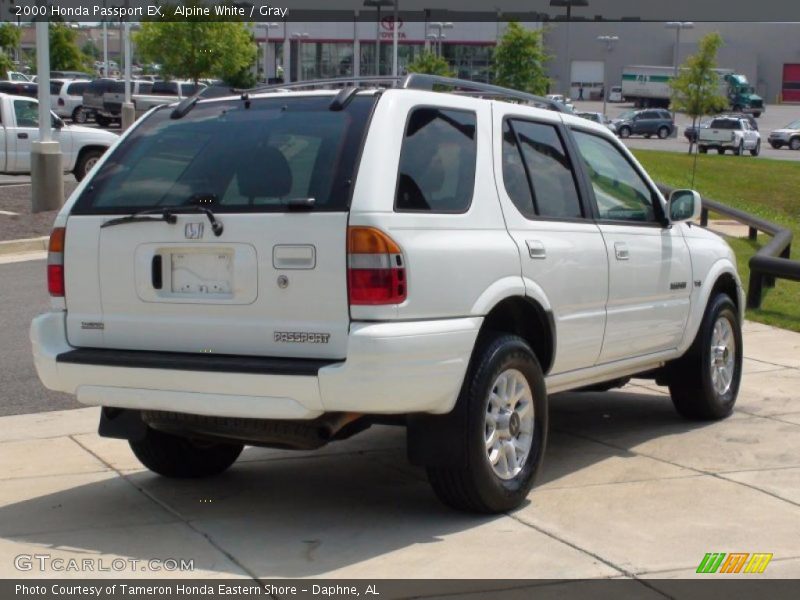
point(121, 424)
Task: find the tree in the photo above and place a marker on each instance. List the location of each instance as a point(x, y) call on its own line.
point(696, 89)
point(430, 64)
point(519, 60)
point(196, 47)
point(64, 52)
point(90, 51)
point(9, 40)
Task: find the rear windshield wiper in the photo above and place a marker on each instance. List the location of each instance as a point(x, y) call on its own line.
point(168, 215)
point(153, 214)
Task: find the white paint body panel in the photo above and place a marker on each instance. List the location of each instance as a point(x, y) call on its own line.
point(611, 320)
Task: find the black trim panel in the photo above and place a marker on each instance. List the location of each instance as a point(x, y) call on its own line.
point(187, 361)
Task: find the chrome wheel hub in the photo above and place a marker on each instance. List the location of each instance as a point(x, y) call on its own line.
point(509, 424)
point(723, 356)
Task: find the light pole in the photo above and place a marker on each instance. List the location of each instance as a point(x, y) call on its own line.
point(678, 26)
point(609, 41)
point(128, 110)
point(439, 35)
point(300, 37)
point(47, 177)
point(568, 4)
point(378, 4)
point(267, 50)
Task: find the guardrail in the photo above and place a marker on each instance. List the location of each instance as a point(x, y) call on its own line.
point(770, 261)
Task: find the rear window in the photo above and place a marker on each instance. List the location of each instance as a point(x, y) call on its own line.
point(190, 89)
point(145, 87)
point(167, 88)
point(725, 124)
point(76, 89)
point(55, 87)
point(235, 159)
point(437, 161)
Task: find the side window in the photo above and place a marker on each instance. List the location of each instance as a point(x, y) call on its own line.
point(620, 192)
point(554, 191)
point(514, 176)
point(437, 161)
point(27, 113)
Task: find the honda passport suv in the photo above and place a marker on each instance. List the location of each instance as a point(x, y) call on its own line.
point(287, 267)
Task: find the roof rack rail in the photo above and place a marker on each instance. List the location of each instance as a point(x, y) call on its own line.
point(415, 81)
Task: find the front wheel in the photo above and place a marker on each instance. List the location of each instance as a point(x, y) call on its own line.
point(624, 132)
point(79, 116)
point(702, 149)
point(181, 458)
point(756, 114)
point(704, 383)
point(775, 146)
point(86, 162)
point(794, 144)
point(102, 121)
point(505, 404)
point(739, 150)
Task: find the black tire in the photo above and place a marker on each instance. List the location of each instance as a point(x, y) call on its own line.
point(625, 132)
point(648, 136)
point(720, 150)
point(756, 114)
point(663, 133)
point(474, 486)
point(102, 121)
point(739, 150)
point(757, 150)
point(86, 161)
point(702, 149)
point(79, 116)
point(794, 143)
point(181, 458)
point(691, 385)
point(776, 146)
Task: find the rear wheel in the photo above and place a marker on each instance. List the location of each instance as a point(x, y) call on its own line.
point(702, 150)
point(663, 133)
point(505, 400)
point(704, 382)
point(625, 132)
point(102, 121)
point(757, 150)
point(720, 150)
point(739, 150)
point(775, 146)
point(181, 458)
point(79, 115)
point(756, 114)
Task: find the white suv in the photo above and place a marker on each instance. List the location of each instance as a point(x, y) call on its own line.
point(285, 269)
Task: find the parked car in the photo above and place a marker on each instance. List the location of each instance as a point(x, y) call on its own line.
point(66, 97)
point(787, 136)
point(597, 117)
point(286, 269)
point(104, 97)
point(17, 76)
point(649, 122)
point(562, 100)
point(728, 133)
point(615, 94)
point(19, 88)
point(690, 132)
point(81, 147)
point(70, 75)
point(164, 92)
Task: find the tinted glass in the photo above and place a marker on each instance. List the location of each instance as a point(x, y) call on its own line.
point(55, 87)
point(76, 89)
point(620, 192)
point(555, 193)
point(235, 159)
point(27, 113)
point(725, 124)
point(514, 177)
point(145, 87)
point(165, 87)
point(437, 161)
point(190, 89)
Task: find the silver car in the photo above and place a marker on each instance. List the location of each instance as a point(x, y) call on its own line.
point(787, 136)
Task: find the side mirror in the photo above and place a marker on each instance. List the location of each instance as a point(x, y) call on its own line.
point(58, 123)
point(684, 205)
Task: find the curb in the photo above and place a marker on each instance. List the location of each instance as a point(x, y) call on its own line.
point(36, 244)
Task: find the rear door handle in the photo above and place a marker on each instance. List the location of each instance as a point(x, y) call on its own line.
point(621, 251)
point(536, 249)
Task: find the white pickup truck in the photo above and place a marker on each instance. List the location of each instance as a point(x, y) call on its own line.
point(19, 127)
point(726, 133)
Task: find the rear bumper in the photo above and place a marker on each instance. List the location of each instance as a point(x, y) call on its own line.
point(391, 368)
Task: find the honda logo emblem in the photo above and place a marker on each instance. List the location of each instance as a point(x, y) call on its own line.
point(193, 231)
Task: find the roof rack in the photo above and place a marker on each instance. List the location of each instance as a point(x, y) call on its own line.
point(416, 81)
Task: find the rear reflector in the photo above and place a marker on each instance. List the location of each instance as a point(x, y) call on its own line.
point(376, 271)
point(55, 262)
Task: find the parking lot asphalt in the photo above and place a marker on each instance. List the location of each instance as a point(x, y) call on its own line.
point(628, 489)
point(775, 117)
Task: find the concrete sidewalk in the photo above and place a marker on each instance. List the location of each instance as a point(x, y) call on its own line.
point(628, 490)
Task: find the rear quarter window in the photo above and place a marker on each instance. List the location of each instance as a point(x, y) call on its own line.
point(76, 89)
point(437, 161)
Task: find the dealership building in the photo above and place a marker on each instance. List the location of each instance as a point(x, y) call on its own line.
point(767, 53)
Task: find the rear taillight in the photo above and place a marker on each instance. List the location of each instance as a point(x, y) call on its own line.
point(376, 271)
point(55, 262)
point(61, 102)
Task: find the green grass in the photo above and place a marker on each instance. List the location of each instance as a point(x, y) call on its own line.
point(763, 187)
